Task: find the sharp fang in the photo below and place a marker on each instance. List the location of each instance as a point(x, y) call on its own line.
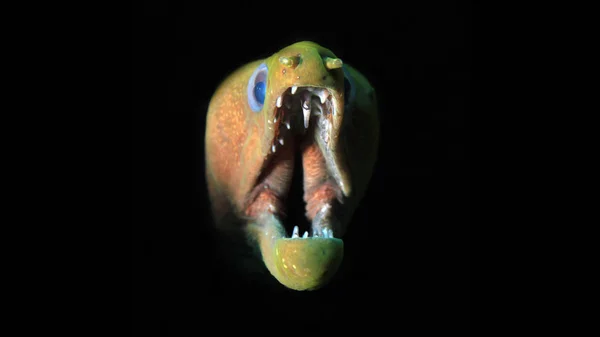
point(295, 233)
point(279, 101)
point(323, 94)
point(306, 108)
point(306, 113)
point(281, 141)
point(306, 104)
point(294, 88)
point(287, 125)
point(273, 148)
point(305, 235)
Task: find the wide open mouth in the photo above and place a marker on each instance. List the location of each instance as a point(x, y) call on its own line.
point(298, 181)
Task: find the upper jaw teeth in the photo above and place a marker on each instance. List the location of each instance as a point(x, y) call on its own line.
point(325, 233)
point(313, 102)
point(323, 94)
point(306, 99)
point(306, 108)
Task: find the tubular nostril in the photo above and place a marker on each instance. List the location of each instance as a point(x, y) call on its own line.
point(290, 61)
point(332, 63)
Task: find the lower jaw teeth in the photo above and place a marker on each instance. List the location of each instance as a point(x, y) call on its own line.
point(325, 233)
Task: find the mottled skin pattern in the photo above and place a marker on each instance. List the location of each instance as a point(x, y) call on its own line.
point(238, 145)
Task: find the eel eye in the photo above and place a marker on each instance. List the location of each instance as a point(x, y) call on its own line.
point(346, 90)
point(349, 88)
point(257, 88)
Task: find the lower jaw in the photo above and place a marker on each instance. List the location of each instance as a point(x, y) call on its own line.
point(304, 260)
point(297, 263)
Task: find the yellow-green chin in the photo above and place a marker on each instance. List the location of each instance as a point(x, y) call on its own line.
point(303, 263)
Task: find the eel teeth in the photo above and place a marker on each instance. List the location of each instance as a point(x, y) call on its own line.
point(325, 233)
point(323, 94)
point(306, 107)
point(306, 113)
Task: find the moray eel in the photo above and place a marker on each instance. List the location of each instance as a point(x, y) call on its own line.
point(300, 104)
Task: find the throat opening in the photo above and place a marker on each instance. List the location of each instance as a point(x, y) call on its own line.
point(295, 204)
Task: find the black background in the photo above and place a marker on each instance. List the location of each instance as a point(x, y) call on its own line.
point(406, 266)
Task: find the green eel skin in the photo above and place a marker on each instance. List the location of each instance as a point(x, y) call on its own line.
point(301, 102)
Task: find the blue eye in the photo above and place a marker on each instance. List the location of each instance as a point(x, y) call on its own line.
point(349, 88)
point(257, 88)
point(346, 91)
point(259, 92)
